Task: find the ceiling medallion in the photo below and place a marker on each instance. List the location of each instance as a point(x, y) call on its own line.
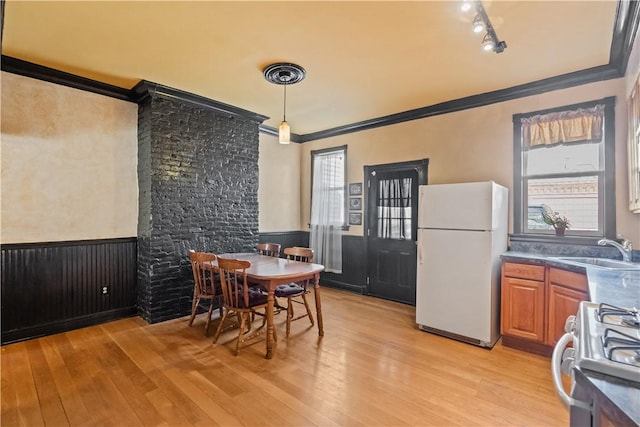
point(284, 73)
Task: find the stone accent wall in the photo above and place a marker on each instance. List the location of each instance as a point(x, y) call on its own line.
point(198, 189)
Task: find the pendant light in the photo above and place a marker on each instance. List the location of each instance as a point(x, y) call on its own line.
point(284, 73)
point(284, 131)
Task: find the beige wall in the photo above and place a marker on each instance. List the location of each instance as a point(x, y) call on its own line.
point(279, 185)
point(471, 145)
point(69, 161)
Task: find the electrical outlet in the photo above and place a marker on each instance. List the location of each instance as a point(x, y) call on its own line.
point(105, 290)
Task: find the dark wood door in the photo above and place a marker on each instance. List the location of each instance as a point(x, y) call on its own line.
point(391, 228)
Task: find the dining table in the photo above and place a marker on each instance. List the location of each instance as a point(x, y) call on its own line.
point(269, 272)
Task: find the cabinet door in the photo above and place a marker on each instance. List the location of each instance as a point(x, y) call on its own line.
point(523, 308)
point(563, 302)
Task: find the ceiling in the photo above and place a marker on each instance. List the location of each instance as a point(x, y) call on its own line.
point(364, 59)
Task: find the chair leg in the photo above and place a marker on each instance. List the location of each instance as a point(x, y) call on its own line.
point(194, 309)
point(289, 315)
point(224, 317)
point(264, 321)
point(306, 305)
point(209, 313)
point(241, 333)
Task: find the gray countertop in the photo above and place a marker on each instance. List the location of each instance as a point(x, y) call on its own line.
point(616, 287)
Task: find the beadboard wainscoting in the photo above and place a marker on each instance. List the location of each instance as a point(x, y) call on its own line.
point(58, 286)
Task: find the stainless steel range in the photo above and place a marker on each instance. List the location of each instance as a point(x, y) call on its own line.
point(606, 340)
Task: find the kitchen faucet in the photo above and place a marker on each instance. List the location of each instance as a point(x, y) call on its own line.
point(624, 248)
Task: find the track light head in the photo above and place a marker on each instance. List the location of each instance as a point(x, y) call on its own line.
point(478, 24)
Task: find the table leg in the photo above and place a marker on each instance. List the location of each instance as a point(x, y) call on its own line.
point(316, 290)
point(270, 321)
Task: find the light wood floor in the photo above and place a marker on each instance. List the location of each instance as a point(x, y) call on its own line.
point(373, 367)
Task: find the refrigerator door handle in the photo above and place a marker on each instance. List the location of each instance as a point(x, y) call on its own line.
point(419, 253)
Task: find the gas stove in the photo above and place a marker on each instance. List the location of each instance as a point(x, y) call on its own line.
point(606, 339)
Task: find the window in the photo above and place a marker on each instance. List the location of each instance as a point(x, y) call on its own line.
point(564, 165)
point(328, 206)
point(394, 205)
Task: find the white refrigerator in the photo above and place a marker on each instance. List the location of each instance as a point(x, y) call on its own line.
point(462, 231)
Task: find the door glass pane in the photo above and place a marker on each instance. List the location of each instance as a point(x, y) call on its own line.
point(576, 198)
point(394, 203)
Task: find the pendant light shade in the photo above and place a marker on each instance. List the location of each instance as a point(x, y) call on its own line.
point(284, 74)
point(284, 133)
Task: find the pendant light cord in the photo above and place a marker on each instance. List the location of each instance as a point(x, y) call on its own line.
point(285, 103)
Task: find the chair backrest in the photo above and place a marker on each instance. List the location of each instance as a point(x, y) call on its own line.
point(298, 253)
point(233, 275)
point(269, 249)
point(203, 273)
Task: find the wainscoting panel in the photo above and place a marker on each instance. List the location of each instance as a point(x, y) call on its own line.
point(54, 287)
point(353, 277)
point(286, 239)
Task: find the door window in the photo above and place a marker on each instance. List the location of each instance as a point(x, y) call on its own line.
point(394, 208)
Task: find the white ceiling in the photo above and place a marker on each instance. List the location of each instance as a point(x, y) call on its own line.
point(364, 59)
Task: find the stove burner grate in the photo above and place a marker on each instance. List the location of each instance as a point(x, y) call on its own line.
point(611, 338)
point(628, 316)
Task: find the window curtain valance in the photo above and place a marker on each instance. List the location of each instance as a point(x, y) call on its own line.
point(581, 125)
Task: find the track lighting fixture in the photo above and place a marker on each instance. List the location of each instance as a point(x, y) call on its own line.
point(481, 23)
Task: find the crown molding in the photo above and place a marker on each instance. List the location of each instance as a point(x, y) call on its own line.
point(40, 72)
point(603, 72)
point(625, 31)
point(145, 89)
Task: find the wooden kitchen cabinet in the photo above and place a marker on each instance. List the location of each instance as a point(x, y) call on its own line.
point(522, 320)
point(523, 308)
point(566, 289)
point(536, 301)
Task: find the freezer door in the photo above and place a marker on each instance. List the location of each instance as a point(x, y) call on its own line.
point(466, 206)
point(456, 291)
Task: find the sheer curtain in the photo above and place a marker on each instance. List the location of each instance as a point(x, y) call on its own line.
point(394, 208)
point(327, 209)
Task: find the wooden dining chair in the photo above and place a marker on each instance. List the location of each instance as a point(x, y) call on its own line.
point(269, 249)
point(206, 287)
point(291, 291)
point(240, 299)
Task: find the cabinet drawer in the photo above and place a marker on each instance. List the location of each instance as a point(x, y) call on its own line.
point(523, 271)
point(568, 279)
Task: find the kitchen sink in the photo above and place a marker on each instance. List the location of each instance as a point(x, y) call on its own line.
point(603, 263)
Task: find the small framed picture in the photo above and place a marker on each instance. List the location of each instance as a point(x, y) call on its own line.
point(355, 203)
point(355, 218)
point(355, 189)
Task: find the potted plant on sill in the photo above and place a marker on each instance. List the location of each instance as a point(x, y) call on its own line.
point(559, 223)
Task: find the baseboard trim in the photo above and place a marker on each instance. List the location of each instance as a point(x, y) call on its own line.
point(527, 345)
point(18, 335)
point(342, 285)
